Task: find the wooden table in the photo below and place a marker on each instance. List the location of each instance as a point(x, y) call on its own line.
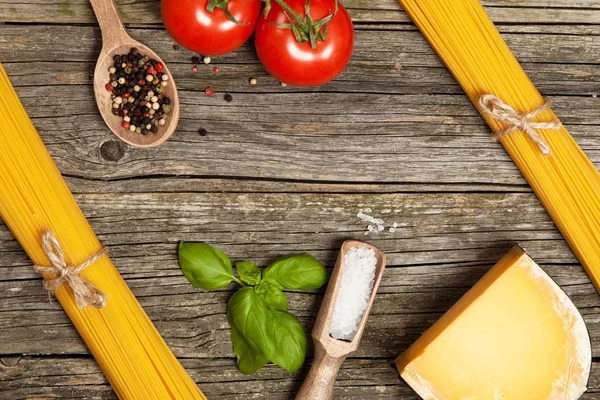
point(284, 170)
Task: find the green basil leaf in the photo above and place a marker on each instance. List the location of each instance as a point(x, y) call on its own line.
point(250, 315)
point(272, 295)
point(206, 267)
point(248, 272)
point(290, 341)
point(249, 359)
point(296, 272)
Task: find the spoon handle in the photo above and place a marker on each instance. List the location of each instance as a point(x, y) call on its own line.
point(320, 381)
point(113, 31)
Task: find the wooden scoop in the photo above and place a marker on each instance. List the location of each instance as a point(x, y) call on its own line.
point(116, 41)
point(330, 353)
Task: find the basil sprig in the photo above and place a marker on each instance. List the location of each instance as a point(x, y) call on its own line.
point(261, 327)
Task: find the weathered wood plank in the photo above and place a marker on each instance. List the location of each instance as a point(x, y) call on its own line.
point(148, 12)
point(80, 378)
point(69, 378)
point(389, 47)
point(421, 136)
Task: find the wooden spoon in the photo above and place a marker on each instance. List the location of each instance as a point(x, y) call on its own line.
point(330, 353)
point(116, 41)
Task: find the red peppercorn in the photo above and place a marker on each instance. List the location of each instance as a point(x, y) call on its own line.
point(146, 115)
point(159, 67)
point(141, 82)
point(142, 103)
point(125, 112)
point(194, 69)
point(151, 70)
point(109, 87)
point(209, 91)
point(215, 69)
point(125, 124)
point(126, 95)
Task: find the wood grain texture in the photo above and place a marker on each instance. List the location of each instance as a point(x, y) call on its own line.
point(285, 170)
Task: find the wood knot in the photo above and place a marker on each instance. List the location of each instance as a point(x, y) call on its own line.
point(112, 150)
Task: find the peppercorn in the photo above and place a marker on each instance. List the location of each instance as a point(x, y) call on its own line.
point(196, 60)
point(228, 98)
point(209, 91)
point(202, 132)
point(195, 68)
point(137, 84)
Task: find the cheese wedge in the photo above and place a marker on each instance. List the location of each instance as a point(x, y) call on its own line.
point(514, 335)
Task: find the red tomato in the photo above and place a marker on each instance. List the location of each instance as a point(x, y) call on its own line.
point(210, 33)
point(297, 63)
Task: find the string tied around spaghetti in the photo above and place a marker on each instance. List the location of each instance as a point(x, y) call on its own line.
point(514, 121)
point(85, 293)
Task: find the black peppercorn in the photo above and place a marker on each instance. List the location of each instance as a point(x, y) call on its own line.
point(202, 132)
point(228, 98)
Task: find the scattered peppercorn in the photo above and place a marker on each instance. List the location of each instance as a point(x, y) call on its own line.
point(195, 60)
point(228, 98)
point(206, 60)
point(195, 68)
point(137, 84)
point(176, 47)
point(202, 132)
point(252, 81)
point(209, 91)
point(283, 84)
point(216, 69)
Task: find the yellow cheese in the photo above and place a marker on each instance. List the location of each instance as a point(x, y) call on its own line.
point(514, 335)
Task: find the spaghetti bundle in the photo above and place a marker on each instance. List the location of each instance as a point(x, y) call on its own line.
point(563, 178)
point(35, 200)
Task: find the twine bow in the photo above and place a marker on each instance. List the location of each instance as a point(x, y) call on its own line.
point(496, 108)
point(85, 293)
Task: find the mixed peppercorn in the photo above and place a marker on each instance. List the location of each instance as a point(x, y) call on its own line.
point(138, 85)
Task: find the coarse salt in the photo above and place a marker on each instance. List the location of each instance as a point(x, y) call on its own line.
point(368, 218)
point(354, 293)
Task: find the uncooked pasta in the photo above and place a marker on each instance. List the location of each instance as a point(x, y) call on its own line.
point(565, 180)
point(35, 199)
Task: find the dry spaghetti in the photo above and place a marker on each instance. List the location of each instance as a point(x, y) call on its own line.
point(34, 199)
point(566, 181)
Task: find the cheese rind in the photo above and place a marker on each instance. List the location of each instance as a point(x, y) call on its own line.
point(514, 335)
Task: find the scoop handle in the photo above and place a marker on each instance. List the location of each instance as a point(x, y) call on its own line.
point(113, 31)
point(320, 381)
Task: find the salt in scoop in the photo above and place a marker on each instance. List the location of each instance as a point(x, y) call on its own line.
point(330, 353)
point(116, 41)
